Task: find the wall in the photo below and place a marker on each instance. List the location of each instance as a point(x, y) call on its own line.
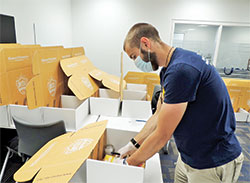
point(52, 19)
point(101, 25)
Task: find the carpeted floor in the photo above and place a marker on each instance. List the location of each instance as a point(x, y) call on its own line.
point(243, 134)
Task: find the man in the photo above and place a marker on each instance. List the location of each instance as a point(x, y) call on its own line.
point(196, 109)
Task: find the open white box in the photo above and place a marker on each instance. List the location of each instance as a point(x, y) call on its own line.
point(136, 87)
point(93, 171)
point(242, 115)
point(4, 118)
point(108, 103)
point(136, 109)
point(73, 113)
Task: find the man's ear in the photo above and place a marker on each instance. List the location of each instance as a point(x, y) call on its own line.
point(145, 43)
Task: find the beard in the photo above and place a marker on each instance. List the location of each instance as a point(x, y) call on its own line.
point(153, 59)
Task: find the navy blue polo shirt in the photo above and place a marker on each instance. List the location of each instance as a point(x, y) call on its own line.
point(205, 135)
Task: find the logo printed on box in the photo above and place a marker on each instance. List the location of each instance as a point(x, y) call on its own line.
point(21, 83)
point(87, 83)
point(49, 60)
point(78, 145)
point(84, 61)
point(17, 59)
point(52, 87)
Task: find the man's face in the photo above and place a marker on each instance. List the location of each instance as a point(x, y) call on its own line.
point(133, 53)
point(153, 59)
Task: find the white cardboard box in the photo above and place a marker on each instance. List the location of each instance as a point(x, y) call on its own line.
point(134, 95)
point(110, 172)
point(113, 173)
point(136, 109)
point(73, 112)
point(108, 103)
point(136, 87)
point(4, 116)
point(242, 115)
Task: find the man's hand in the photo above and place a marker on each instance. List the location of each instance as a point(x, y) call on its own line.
point(127, 150)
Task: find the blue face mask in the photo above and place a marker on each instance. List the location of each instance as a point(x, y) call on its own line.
point(142, 65)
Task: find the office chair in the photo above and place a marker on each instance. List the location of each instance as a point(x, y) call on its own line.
point(31, 137)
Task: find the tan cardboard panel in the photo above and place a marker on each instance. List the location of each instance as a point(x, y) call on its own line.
point(60, 158)
point(45, 60)
point(98, 74)
point(66, 53)
point(15, 68)
point(82, 85)
point(15, 58)
point(113, 82)
point(78, 51)
point(76, 65)
point(17, 82)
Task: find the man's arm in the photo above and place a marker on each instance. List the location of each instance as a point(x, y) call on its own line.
point(168, 119)
point(150, 124)
point(148, 128)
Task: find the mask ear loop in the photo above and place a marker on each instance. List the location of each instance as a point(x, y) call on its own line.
point(149, 55)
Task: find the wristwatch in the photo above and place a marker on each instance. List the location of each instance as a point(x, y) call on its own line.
point(133, 141)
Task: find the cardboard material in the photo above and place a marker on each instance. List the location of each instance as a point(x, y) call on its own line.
point(104, 106)
point(81, 72)
point(78, 51)
point(60, 158)
point(150, 79)
point(47, 86)
point(4, 122)
point(239, 91)
point(15, 73)
point(136, 109)
point(242, 115)
point(73, 112)
point(110, 172)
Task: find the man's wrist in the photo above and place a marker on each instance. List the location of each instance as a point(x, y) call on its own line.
point(135, 143)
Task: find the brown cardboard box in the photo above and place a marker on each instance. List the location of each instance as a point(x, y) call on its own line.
point(15, 73)
point(150, 79)
point(60, 158)
point(85, 79)
point(47, 86)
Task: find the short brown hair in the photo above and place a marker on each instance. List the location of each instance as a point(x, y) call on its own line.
point(138, 31)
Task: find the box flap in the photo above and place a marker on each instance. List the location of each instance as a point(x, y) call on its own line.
point(66, 53)
point(15, 72)
point(61, 157)
point(76, 65)
point(82, 85)
point(78, 51)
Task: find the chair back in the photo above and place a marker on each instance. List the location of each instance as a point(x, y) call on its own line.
point(33, 136)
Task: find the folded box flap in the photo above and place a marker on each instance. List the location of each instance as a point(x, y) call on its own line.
point(38, 160)
point(76, 64)
point(82, 85)
point(59, 159)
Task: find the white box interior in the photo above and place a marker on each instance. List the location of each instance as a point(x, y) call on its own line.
point(4, 118)
point(104, 106)
point(136, 109)
point(242, 115)
point(107, 93)
point(34, 116)
point(134, 95)
point(73, 115)
point(137, 87)
point(110, 172)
